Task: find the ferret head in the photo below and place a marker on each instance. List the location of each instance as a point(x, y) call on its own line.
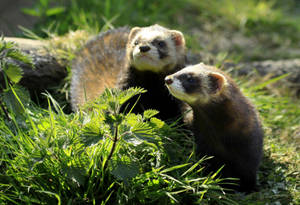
point(197, 84)
point(155, 48)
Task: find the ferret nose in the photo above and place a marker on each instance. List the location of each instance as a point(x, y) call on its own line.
point(168, 80)
point(144, 48)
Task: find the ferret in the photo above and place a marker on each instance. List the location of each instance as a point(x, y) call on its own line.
point(224, 122)
point(122, 59)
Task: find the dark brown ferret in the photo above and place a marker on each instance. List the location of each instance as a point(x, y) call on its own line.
point(225, 124)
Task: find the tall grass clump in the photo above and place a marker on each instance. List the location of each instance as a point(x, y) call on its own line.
point(100, 156)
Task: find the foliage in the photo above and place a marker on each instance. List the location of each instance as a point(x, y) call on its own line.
point(50, 157)
point(94, 15)
point(100, 156)
point(251, 17)
point(12, 73)
point(278, 174)
point(270, 27)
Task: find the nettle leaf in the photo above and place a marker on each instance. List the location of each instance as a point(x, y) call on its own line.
point(125, 171)
point(129, 93)
point(4, 47)
point(13, 72)
point(93, 132)
point(133, 140)
point(9, 54)
point(157, 123)
point(142, 128)
point(9, 50)
point(90, 139)
point(150, 113)
point(76, 175)
point(19, 55)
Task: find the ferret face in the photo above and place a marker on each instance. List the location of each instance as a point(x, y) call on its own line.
point(196, 84)
point(155, 48)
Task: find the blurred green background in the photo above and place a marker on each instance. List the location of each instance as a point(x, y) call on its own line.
point(244, 29)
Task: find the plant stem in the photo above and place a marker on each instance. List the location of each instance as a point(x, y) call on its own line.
point(115, 139)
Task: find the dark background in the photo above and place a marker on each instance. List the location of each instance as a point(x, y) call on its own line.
point(11, 16)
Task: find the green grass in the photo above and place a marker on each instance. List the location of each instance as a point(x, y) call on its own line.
point(279, 172)
point(101, 156)
point(271, 26)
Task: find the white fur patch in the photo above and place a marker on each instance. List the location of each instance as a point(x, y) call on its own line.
point(202, 71)
point(147, 60)
point(150, 60)
point(178, 91)
point(149, 35)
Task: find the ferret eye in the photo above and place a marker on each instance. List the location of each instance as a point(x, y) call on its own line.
point(190, 79)
point(161, 44)
point(136, 42)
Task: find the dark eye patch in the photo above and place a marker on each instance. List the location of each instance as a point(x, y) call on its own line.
point(190, 83)
point(159, 43)
point(190, 79)
point(162, 44)
point(161, 47)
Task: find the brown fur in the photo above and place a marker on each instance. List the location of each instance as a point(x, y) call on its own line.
point(226, 125)
point(115, 60)
point(98, 65)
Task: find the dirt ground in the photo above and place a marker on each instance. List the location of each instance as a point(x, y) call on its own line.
point(11, 16)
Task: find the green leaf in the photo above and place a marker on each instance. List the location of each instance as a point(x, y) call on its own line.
point(150, 113)
point(44, 3)
point(194, 166)
point(76, 175)
point(125, 171)
point(129, 93)
point(31, 12)
point(55, 11)
point(174, 168)
point(18, 55)
point(13, 72)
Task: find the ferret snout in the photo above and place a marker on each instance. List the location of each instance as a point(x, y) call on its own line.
point(144, 49)
point(168, 80)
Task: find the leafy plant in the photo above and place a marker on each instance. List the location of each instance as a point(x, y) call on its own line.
point(11, 71)
point(11, 75)
point(42, 10)
point(102, 156)
point(94, 15)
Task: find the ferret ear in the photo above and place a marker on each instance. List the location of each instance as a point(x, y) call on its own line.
point(217, 81)
point(133, 32)
point(178, 38)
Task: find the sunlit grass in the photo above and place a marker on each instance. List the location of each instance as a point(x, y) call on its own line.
point(100, 156)
point(50, 157)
